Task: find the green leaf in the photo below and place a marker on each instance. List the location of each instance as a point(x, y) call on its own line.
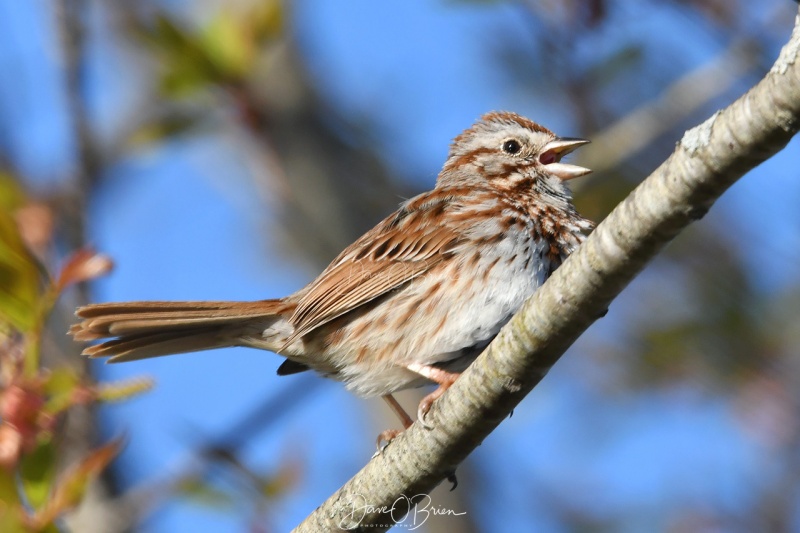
point(20, 273)
point(184, 80)
point(10, 506)
point(167, 126)
point(19, 278)
point(199, 492)
point(229, 45)
point(11, 194)
point(37, 473)
point(10, 520)
point(187, 67)
point(11, 514)
point(268, 20)
point(278, 484)
point(124, 389)
point(59, 386)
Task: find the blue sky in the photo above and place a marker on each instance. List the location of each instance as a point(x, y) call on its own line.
point(178, 220)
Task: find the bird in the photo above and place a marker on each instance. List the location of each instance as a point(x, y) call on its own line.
point(415, 299)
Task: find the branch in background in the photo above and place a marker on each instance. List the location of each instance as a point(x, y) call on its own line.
point(222, 450)
point(79, 433)
point(682, 99)
point(638, 129)
point(707, 161)
point(68, 15)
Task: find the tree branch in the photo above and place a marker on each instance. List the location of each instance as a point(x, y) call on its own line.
point(708, 160)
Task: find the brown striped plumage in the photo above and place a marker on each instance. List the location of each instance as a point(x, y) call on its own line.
point(417, 297)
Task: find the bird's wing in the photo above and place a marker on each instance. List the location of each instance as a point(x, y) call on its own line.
point(404, 246)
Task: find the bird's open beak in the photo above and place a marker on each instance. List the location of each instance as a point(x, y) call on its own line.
point(554, 151)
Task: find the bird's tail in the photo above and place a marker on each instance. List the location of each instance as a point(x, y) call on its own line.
point(140, 330)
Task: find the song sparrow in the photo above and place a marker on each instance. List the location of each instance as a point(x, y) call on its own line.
point(416, 298)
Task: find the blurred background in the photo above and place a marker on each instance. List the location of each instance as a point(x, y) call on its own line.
point(227, 150)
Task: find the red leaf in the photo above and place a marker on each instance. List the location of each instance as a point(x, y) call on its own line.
point(69, 490)
point(10, 447)
point(83, 265)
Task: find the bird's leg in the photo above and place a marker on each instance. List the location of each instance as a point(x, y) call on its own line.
point(444, 378)
point(395, 406)
point(389, 435)
point(437, 375)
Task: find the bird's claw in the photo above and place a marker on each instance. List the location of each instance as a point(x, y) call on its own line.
point(385, 436)
point(422, 413)
point(451, 477)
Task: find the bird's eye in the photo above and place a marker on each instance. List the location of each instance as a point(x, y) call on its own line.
point(511, 146)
